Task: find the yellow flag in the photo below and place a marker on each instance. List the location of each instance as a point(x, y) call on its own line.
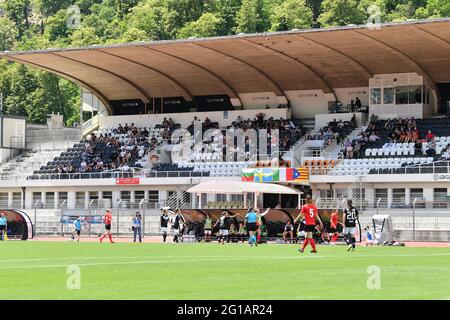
point(5, 236)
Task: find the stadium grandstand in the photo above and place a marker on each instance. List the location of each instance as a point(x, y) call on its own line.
point(342, 113)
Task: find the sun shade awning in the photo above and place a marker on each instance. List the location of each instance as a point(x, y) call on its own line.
point(237, 187)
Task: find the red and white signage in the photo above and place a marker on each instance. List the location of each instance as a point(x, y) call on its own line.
point(127, 181)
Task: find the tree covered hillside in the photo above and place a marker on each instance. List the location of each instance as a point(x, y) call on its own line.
point(41, 24)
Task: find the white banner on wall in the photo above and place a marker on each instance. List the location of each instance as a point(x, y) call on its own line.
point(259, 100)
point(307, 103)
point(346, 95)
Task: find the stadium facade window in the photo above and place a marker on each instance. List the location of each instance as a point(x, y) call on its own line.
point(93, 195)
point(221, 197)
point(107, 195)
point(375, 96)
point(80, 199)
point(125, 195)
point(139, 195)
point(326, 194)
point(49, 199)
point(415, 94)
point(383, 195)
point(62, 196)
point(417, 193)
point(4, 199)
point(388, 95)
point(17, 199)
point(237, 197)
point(440, 198)
point(153, 196)
point(402, 95)
point(37, 196)
point(398, 197)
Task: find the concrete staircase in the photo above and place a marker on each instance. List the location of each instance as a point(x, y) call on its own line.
point(333, 150)
point(27, 162)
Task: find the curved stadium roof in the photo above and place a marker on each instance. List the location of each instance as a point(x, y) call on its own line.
point(271, 62)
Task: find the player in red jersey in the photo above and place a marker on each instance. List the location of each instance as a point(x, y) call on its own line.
point(333, 227)
point(107, 220)
point(309, 213)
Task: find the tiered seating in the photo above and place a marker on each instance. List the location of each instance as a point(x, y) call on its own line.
point(372, 165)
point(392, 149)
point(320, 166)
point(442, 144)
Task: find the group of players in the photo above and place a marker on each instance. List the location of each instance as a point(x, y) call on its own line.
point(252, 224)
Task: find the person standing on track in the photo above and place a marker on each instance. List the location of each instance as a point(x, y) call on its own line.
point(350, 217)
point(334, 233)
point(164, 223)
point(77, 231)
point(310, 214)
point(208, 228)
point(107, 221)
point(259, 223)
point(176, 226)
point(250, 225)
point(3, 225)
point(137, 226)
point(288, 230)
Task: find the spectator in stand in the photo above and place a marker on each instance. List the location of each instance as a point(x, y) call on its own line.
point(349, 149)
point(358, 104)
point(429, 136)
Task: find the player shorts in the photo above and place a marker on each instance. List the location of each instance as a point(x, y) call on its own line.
point(207, 231)
point(108, 227)
point(2, 227)
point(332, 230)
point(310, 228)
point(251, 226)
point(78, 231)
point(164, 229)
point(176, 232)
point(351, 230)
point(223, 232)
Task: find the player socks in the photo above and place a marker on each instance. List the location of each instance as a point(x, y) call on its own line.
point(110, 238)
point(333, 238)
point(305, 243)
point(164, 237)
point(353, 242)
point(313, 244)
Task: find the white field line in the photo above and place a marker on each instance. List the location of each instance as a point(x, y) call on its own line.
point(204, 259)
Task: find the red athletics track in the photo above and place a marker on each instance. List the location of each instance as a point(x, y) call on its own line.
point(158, 239)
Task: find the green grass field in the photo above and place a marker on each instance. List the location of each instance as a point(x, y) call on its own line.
point(38, 270)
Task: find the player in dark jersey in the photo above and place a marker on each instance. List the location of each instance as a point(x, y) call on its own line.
point(164, 223)
point(223, 223)
point(177, 225)
point(288, 230)
point(350, 217)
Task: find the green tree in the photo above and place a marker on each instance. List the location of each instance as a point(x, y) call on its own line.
point(8, 34)
point(291, 14)
point(341, 13)
point(208, 25)
point(438, 8)
point(253, 17)
point(85, 36)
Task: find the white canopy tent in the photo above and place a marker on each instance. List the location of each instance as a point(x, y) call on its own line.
point(238, 187)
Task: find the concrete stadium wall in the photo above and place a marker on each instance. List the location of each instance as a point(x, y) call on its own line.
point(225, 118)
